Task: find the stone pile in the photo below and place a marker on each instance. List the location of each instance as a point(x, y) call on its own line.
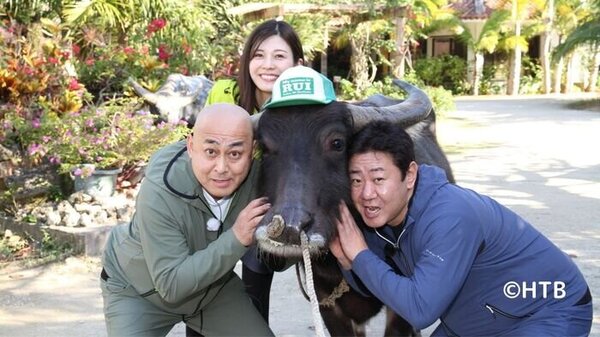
point(82, 210)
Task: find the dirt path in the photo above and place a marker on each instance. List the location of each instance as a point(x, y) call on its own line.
point(533, 155)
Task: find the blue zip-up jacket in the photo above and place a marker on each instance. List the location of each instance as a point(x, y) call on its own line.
point(457, 252)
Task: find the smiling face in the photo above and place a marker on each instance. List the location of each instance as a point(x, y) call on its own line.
point(270, 59)
point(379, 192)
point(221, 149)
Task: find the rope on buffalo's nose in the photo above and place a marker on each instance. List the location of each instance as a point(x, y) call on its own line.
point(314, 303)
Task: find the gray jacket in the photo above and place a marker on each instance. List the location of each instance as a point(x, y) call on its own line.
point(165, 252)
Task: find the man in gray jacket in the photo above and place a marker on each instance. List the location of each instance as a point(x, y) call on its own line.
point(195, 216)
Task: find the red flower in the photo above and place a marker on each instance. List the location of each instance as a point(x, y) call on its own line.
point(156, 25)
point(186, 48)
point(163, 53)
point(28, 71)
point(128, 50)
point(53, 60)
point(89, 62)
point(76, 49)
point(74, 85)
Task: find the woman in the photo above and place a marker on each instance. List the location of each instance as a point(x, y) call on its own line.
point(272, 47)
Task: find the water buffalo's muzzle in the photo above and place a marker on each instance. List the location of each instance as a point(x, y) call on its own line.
point(281, 237)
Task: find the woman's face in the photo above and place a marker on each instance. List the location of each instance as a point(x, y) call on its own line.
point(270, 59)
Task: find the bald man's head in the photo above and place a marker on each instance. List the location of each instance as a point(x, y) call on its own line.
point(224, 116)
point(221, 148)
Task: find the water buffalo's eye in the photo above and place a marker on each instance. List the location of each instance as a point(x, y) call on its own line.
point(338, 144)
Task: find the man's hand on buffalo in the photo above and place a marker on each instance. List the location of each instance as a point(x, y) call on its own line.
point(349, 241)
point(248, 219)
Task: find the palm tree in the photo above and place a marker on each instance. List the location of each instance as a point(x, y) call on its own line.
point(486, 41)
point(585, 35)
point(365, 40)
point(422, 13)
point(569, 15)
point(112, 15)
point(548, 20)
point(521, 10)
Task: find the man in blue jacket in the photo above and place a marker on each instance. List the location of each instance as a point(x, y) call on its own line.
point(432, 250)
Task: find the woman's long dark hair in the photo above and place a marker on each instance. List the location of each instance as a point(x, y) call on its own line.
point(259, 34)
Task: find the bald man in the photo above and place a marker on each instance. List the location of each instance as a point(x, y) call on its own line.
point(195, 217)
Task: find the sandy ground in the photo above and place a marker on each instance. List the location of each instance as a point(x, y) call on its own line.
point(533, 155)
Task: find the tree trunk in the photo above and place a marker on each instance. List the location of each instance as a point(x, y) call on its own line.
point(546, 41)
point(477, 71)
point(558, 71)
point(324, 53)
point(595, 65)
point(515, 64)
point(558, 75)
point(401, 48)
point(359, 64)
point(570, 75)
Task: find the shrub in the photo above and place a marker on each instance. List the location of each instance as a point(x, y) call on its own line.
point(447, 71)
point(112, 135)
point(531, 78)
point(441, 99)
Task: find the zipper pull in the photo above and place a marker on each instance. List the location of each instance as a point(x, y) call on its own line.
point(491, 310)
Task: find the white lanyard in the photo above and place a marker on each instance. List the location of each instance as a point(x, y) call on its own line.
point(218, 209)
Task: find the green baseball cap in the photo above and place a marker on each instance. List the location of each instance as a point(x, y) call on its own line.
point(301, 85)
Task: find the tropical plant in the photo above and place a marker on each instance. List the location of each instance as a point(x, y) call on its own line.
point(34, 72)
point(486, 41)
point(441, 99)
point(30, 11)
point(525, 22)
point(569, 14)
point(189, 37)
point(415, 16)
point(447, 71)
point(585, 35)
point(531, 80)
point(112, 135)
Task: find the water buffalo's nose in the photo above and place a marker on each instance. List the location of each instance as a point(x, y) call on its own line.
point(290, 219)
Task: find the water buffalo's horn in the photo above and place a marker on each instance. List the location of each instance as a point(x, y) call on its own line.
point(415, 108)
point(147, 95)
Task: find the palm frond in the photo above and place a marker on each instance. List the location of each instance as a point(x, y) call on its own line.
point(588, 33)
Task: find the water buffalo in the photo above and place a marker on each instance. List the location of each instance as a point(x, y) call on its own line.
point(179, 98)
point(304, 174)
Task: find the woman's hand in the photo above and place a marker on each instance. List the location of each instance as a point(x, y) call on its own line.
point(248, 219)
